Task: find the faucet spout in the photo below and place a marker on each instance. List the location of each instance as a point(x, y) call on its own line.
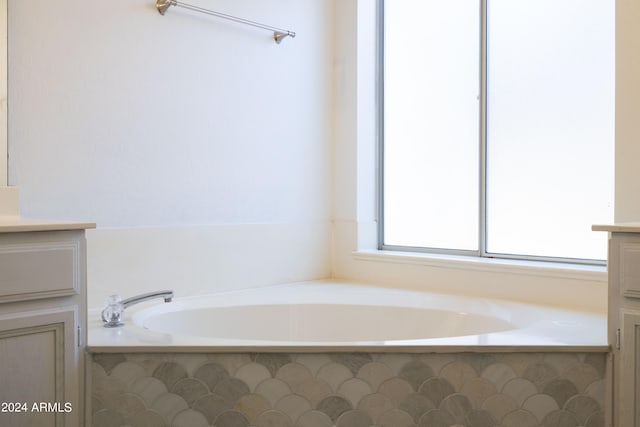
point(114, 311)
point(166, 295)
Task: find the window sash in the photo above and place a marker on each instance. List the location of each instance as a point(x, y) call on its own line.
point(482, 178)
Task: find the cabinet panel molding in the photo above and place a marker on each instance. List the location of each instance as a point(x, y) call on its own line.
point(630, 269)
point(629, 414)
point(36, 270)
point(40, 358)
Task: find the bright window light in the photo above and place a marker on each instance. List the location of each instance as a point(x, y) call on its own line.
point(498, 129)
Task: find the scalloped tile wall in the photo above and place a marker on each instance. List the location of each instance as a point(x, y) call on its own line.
point(349, 390)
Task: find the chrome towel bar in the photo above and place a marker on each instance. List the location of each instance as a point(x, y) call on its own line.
point(278, 33)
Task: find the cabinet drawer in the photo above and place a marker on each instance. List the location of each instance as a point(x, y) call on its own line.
point(40, 265)
point(630, 269)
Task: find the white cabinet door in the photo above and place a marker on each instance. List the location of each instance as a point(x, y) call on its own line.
point(39, 361)
point(629, 370)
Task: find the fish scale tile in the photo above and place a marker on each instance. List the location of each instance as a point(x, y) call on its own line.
point(334, 374)
point(313, 389)
point(231, 419)
point(458, 374)
point(211, 374)
point(108, 361)
point(436, 389)
point(293, 374)
point(436, 418)
point(520, 418)
point(480, 361)
point(595, 420)
point(478, 390)
point(354, 390)
point(148, 389)
point(596, 391)
point(436, 361)
point(128, 372)
point(272, 418)
point(169, 405)
point(416, 372)
point(540, 374)
point(251, 406)
point(147, 418)
point(540, 405)
point(190, 362)
point(582, 407)
point(395, 361)
point(293, 405)
point(190, 389)
point(129, 405)
point(519, 362)
point(598, 363)
point(375, 405)
point(582, 375)
point(354, 419)
point(395, 418)
point(96, 404)
point(231, 389)
point(520, 389)
point(253, 374)
point(211, 406)
point(334, 406)
point(499, 374)
point(312, 361)
point(170, 373)
point(314, 419)
point(352, 361)
point(499, 405)
point(349, 389)
point(416, 405)
point(479, 418)
point(457, 405)
point(562, 361)
point(190, 418)
point(560, 418)
point(273, 390)
point(107, 418)
point(231, 361)
point(375, 373)
point(272, 361)
point(396, 389)
point(561, 390)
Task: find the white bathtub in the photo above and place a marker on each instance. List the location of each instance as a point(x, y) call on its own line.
point(309, 316)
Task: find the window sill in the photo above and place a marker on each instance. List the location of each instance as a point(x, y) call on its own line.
point(492, 265)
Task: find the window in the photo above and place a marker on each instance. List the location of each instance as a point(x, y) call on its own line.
point(497, 127)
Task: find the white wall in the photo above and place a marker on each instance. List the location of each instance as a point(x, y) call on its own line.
point(184, 136)
point(159, 126)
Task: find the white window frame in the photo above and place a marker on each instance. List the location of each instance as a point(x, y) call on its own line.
point(482, 212)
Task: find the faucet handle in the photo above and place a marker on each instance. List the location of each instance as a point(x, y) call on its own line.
point(112, 314)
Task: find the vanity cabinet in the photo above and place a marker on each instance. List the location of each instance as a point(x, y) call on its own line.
point(42, 323)
point(624, 321)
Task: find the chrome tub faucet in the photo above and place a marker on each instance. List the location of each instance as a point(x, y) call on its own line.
point(113, 312)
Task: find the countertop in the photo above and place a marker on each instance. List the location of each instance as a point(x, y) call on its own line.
point(17, 224)
point(622, 227)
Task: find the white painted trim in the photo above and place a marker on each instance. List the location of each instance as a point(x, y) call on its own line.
point(9, 197)
point(3, 94)
point(493, 265)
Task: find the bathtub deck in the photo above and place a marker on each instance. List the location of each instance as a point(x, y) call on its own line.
point(547, 330)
